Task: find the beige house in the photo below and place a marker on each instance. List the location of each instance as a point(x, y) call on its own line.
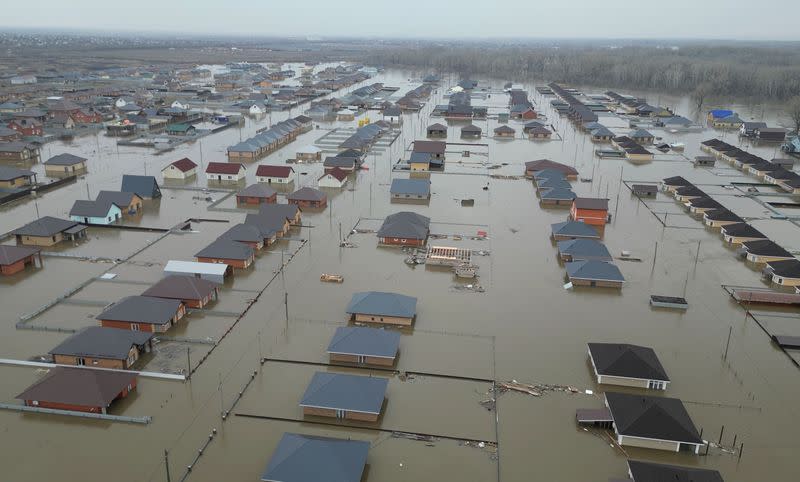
point(65, 165)
point(181, 169)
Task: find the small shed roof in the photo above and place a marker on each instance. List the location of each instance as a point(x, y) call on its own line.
point(305, 458)
point(354, 393)
point(363, 341)
point(79, 386)
point(382, 303)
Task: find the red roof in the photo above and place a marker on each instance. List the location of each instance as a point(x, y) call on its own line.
point(224, 167)
point(185, 164)
point(339, 174)
point(274, 171)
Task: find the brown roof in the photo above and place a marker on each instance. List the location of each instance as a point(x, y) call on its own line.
point(307, 194)
point(181, 288)
point(543, 164)
point(12, 254)
point(257, 190)
point(274, 171)
point(432, 147)
point(224, 167)
point(339, 174)
point(79, 386)
point(591, 203)
point(185, 164)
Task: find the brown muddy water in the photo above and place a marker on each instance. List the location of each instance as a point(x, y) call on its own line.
point(525, 326)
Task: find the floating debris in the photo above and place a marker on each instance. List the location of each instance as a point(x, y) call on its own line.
point(476, 288)
point(489, 404)
point(415, 436)
point(347, 244)
point(331, 278)
point(533, 389)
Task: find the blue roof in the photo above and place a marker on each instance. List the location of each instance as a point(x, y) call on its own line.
point(593, 270)
point(381, 303)
point(719, 113)
point(305, 458)
point(353, 393)
point(356, 340)
point(584, 249)
point(553, 183)
point(574, 228)
point(144, 186)
point(548, 174)
point(557, 193)
point(420, 187)
point(419, 157)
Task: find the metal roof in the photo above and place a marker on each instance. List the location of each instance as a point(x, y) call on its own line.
point(79, 386)
point(225, 249)
point(194, 267)
point(11, 254)
point(594, 271)
point(405, 224)
point(382, 304)
point(356, 340)
point(144, 186)
point(420, 187)
point(574, 228)
point(305, 458)
point(92, 209)
point(65, 160)
point(584, 249)
point(141, 309)
point(102, 342)
point(660, 418)
point(354, 393)
point(652, 472)
point(176, 287)
point(44, 226)
point(624, 360)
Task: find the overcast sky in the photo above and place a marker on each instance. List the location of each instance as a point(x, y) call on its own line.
point(729, 19)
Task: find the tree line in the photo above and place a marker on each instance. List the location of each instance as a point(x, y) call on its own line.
point(756, 72)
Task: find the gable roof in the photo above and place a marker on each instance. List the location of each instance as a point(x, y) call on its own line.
point(358, 340)
point(652, 472)
point(661, 418)
point(120, 198)
point(574, 228)
point(336, 173)
point(382, 303)
point(405, 224)
point(79, 386)
point(178, 287)
point(224, 167)
point(102, 342)
point(788, 268)
point(765, 247)
point(225, 249)
point(418, 187)
point(144, 186)
point(593, 270)
point(676, 181)
point(91, 209)
point(274, 171)
point(624, 360)
point(559, 194)
point(354, 393)
point(9, 173)
point(44, 226)
point(722, 214)
point(184, 165)
point(742, 230)
point(305, 458)
point(65, 160)
point(11, 254)
point(141, 309)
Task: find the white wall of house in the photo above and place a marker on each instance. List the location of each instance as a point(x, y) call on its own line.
point(274, 180)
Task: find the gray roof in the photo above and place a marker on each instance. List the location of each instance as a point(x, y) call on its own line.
point(575, 229)
point(307, 194)
point(9, 173)
point(44, 226)
point(353, 393)
point(660, 418)
point(144, 186)
point(141, 309)
point(640, 133)
point(245, 233)
point(420, 187)
point(65, 160)
point(594, 270)
point(624, 360)
point(357, 340)
point(419, 157)
point(11, 254)
point(557, 193)
point(120, 198)
point(177, 287)
point(381, 303)
point(102, 342)
point(305, 458)
point(553, 183)
point(91, 209)
point(225, 249)
point(652, 472)
point(405, 224)
point(340, 162)
point(549, 174)
point(584, 249)
point(257, 190)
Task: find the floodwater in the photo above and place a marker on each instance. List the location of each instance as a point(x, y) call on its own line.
point(525, 326)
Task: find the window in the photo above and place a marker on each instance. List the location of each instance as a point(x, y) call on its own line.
point(81, 361)
point(135, 327)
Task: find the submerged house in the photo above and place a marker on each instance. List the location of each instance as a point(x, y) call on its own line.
point(248, 234)
point(307, 197)
point(142, 313)
point(594, 273)
point(717, 218)
point(592, 211)
point(180, 169)
point(568, 172)
point(49, 231)
point(234, 254)
point(573, 230)
point(95, 212)
point(192, 292)
point(660, 423)
point(306, 458)
point(14, 259)
point(274, 174)
point(145, 186)
point(764, 251)
point(437, 130)
point(335, 179)
point(256, 194)
point(382, 307)
point(640, 471)
point(79, 389)
point(364, 346)
point(784, 272)
point(738, 233)
point(627, 365)
point(410, 189)
point(582, 249)
point(101, 347)
point(129, 203)
point(225, 171)
point(404, 228)
point(345, 397)
point(64, 165)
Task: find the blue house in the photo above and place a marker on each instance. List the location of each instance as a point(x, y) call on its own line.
point(95, 212)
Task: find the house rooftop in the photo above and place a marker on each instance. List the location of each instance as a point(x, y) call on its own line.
point(44, 227)
point(91, 209)
point(79, 386)
point(354, 393)
point(178, 287)
point(224, 167)
point(307, 194)
point(660, 418)
point(594, 271)
point(765, 247)
point(306, 458)
point(274, 171)
point(225, 249)
point(364, 341)
point(243, 233)
point(336, 173)
point(382, 304)
point(789, 268)
point(64, 160)
point(742, 230)
point(431, 147)
point(405, 224)
point(641, 471)
point(625, 360)
point(584, 249)
point(574, 228)
point(417, 187)
point(141, 309)
point(184, 165)
point(257, 190)
point(102, 342)
point(11, 254)
point(591, 203)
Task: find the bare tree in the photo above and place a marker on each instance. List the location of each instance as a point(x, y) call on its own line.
point(700, 93)
point(793, 109)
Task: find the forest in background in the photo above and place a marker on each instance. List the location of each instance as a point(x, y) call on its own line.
point(755, 72)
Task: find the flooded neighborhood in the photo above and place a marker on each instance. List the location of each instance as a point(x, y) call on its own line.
point(291, 270)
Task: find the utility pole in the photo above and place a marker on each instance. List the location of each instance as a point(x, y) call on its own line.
point(728, 344)
point(188, 364)
point(166, 464)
